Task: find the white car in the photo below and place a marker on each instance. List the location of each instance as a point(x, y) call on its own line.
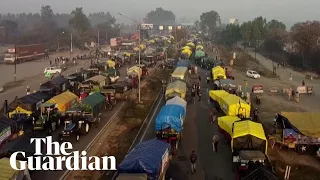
point(53, 70)
point(253, 74)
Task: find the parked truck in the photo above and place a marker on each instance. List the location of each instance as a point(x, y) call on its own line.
point(24, 53)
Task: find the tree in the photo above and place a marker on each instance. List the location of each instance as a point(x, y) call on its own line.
point(46, 13)
point(230, 35)
point(209, 23)
point(275, 24)
point(306, 36)
point(258, 30)
point(160, 17)
point(79, 21)
point(245, 31)
point(276, 36)
point(101, 17)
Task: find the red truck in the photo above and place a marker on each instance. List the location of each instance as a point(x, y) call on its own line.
point(24, 53)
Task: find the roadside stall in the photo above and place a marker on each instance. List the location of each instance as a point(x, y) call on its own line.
point(218, 73)
point(176, 88)
point(63, 101)
point(177, 101)
point(169, 124)
point(233, 105)
point(8, 173)
point(150, 157)
point(225, 124)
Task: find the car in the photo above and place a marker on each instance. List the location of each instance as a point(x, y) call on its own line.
point(253, 74)
point(53, 70)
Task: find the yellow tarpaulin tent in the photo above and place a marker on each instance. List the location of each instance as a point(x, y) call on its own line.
point(226, 123)
point(111, 63)
point(135, 69)
point(179, 73)
point(217, 95)
point(152, 41)
point(19, 110)
point(176, 87)
point(218, 72)
point(191, 44)
point(306, 122)
point(136, 49)
point(142, 46)
point(248, 132)
point(233, 105)
point(187, 52)
point(127, 54)
point(186, 47)
point(64, 101)
point(199, 47)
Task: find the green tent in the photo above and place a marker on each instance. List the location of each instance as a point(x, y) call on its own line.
point(93, 102)
point(200, 54)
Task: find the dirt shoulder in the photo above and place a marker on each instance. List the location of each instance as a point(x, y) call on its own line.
point(121, 132)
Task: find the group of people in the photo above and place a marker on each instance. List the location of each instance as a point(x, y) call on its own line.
point(195, 90)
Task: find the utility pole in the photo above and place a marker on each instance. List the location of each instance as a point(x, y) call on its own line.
point(15, 62)
point(98, 39)
point(107, 38)
point(71, 46)
point(139, 63)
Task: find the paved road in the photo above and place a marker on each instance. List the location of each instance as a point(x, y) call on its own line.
point(197, 135)
point(29, 69)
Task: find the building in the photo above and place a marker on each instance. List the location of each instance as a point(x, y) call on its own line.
point(234, 21)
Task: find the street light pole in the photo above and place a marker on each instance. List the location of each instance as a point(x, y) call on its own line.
point(139, 77)
point(71, 45)
point(15, 62)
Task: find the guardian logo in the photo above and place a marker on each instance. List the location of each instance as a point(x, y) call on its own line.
point(57, 155)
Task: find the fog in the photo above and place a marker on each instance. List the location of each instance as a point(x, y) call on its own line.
point(288, 11)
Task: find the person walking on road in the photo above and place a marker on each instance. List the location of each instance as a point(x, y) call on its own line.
point(199, 94)
point(193, 160)
point(290, 77)
point(212, 116)
point(215, 140)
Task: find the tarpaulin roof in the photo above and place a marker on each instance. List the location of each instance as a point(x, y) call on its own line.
point(111, 63)
point(186, 47)
point(191, 44)
point(179, 72)
point(93, 99)
point(177, 101)
point(199, 47)
point(217, 72)
point(6, 171)
point(261, 173)
point(186, 52)
point(64, 100)
point(177, 87)
point(170, 116)
point(146, 157)
point(200, 54)
point(226, 123)
point(59, 80)
point(183, 63)
point(135, 69)
point(243, 128)
point(98, 78)
point(217, 95)
point(233, 105)
point(306, 122)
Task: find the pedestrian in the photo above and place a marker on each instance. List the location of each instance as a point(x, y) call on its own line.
point(199, 77)
point(215, 140)
point(303, 83)
point(28, 90)
point(50, 63)
point(255, 114)
point(212, 116)
point(290, 77)
point(193, 160)
point(199, 96)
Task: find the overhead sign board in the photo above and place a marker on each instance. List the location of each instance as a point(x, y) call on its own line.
point(170, 28)
point(160, 27)
point(147, 26)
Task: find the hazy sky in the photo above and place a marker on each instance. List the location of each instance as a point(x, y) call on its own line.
point(289, 11)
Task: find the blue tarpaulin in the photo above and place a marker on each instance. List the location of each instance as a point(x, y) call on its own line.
point(183, 63)
point(170, 116)
point(146, 157)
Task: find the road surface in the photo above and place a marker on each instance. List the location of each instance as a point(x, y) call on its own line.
point(29, 69)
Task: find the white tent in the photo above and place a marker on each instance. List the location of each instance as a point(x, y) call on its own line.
point(177, 101)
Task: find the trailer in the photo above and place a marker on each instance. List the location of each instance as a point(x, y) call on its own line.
point(24, 53)
point(298, 131)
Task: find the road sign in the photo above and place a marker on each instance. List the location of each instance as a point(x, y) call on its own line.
point(147, 26)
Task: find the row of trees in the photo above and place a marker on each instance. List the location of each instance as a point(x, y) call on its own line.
point(298, 46)
point(48, 27)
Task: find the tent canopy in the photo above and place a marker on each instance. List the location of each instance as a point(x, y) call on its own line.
point(146, 157)
point(218, 73)
point(248, 135)
point(177, 101)
point(199, 54)
point(93, 99)
point(226, 123)
point(64, 100)
point(170, 116)
point(233, 105)
point(306, 122)
point(217, 95)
